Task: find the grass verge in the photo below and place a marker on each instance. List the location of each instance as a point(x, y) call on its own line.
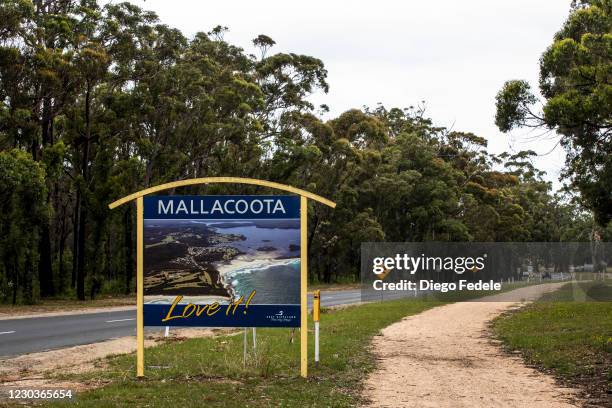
point(568, 338)
point(210, 371)
point(61, 305)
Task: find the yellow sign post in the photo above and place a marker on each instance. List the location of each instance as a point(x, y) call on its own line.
point(304, 287)
point(304, 196)
point(139, 288)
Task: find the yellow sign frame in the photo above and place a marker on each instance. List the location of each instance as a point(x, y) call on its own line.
point(304, 196)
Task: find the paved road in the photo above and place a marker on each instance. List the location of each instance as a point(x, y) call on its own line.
point(28, 335)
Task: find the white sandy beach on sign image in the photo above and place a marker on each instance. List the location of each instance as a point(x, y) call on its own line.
point(247, 262)
point(250, 263)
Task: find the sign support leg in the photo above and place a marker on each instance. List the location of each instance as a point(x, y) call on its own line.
point(244, 348)
point(139, 288)
point(304, 287)
point(254, 339)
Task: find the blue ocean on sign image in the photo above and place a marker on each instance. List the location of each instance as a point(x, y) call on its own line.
point(270, 280)
point(270, 263)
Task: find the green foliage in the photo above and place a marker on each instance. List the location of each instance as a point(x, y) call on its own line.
point(108, 101)
point(575, 80)
point(23, 209)
point(513, 105)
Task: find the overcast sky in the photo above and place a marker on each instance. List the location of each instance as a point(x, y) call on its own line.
point(454, 55)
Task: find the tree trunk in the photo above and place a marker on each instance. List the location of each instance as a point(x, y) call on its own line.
point(81, 253)
point(313, 230)
point(62, 248)
point(109, 270)
point(327, 273)
point(15, 280)
point(83, 205)
point(47, 122)
point(45, 270)
point(75, 238)
point(28, 290)
point(45, 265)
point(129, 257)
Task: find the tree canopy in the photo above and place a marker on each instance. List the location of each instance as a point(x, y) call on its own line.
point(576, 83)
point(99, 101)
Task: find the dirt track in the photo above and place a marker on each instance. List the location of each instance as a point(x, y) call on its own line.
point(444, 357)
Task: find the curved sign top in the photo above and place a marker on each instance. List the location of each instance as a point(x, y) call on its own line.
point(219, 180)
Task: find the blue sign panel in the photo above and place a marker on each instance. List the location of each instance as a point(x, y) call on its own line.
point(222, 261)
point(222, 207)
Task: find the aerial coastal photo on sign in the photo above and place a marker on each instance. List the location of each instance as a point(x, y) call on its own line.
point(221, 260)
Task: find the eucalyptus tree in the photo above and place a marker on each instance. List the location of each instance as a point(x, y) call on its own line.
point(576, 82)
point(24, 210)
point(99, 101)
point(39, 43)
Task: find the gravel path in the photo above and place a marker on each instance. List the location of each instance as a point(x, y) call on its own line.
point(444, 357)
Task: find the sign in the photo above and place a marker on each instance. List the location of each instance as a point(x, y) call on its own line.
point(222, 261)
point(209, 270)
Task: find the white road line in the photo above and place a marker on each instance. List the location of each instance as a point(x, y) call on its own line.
point(120, 320)
point(8, 332)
